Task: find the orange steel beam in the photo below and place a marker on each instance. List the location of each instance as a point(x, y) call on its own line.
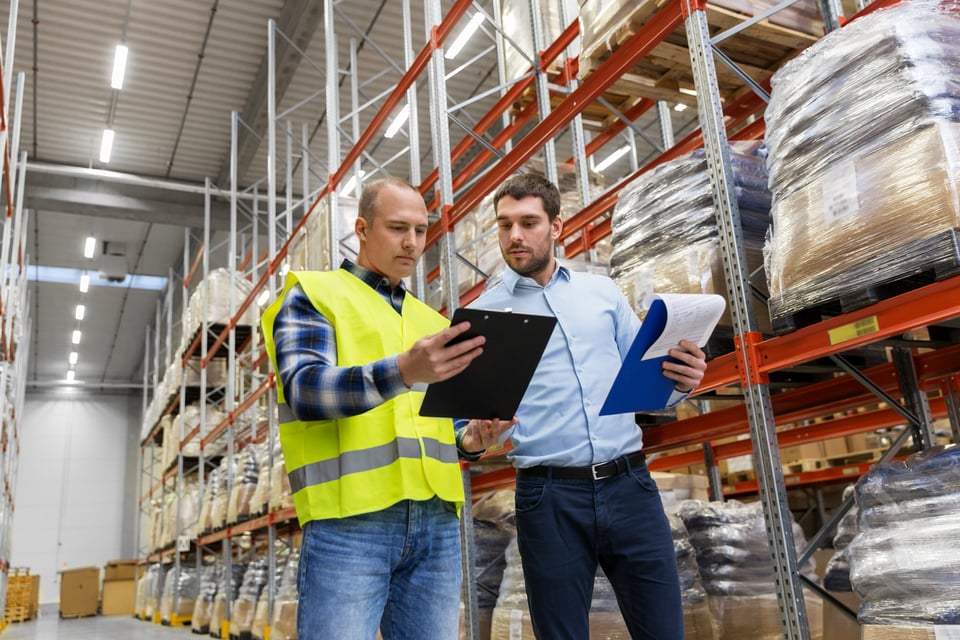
point(836, 428)
point(811, 401)
point(663, 23)
point(846, 473)
point(493, 480)
point(243, 406)
point(193, 267)
point(927, 305)
point(753, 131)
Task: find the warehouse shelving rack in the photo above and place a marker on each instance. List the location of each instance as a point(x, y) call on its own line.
point(14, 294)
point(452, 197)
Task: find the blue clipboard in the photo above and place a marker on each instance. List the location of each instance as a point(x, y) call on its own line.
point(640, 384)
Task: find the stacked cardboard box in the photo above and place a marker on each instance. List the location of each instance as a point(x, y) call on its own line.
point(119, 587)
point(80, 592)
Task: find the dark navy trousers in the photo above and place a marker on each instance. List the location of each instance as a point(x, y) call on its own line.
point(565, 528)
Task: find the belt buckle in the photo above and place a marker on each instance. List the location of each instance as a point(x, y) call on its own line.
point(593, 471)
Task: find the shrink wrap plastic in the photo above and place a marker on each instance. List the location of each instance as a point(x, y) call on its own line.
point(245, 605)
point(179, 594)
point(864, 156)
point(905, 561)
point(211, 576)
point(665, 237)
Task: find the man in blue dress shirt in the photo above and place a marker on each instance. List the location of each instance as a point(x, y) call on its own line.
point(583, 495)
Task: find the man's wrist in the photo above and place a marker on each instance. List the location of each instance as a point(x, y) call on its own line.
point(469, 455)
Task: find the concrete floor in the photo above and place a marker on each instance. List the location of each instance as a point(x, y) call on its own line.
point(49, 626)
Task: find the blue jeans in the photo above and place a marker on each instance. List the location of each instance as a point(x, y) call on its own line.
point(397, 569)
point(566, 527)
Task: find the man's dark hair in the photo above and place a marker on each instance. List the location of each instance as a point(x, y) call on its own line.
point(525, 185)
point(367, 208)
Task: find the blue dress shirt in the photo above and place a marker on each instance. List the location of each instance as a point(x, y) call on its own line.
point(559, 417)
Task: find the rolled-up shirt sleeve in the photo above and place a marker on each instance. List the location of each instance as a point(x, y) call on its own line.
point(314, 386)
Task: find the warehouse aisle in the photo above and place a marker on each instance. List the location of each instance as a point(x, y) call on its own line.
point(52, 627)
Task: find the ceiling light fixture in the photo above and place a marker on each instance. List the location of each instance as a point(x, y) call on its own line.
point(679, 107)
point(461, 40)
point(613, 157)
point(76, 336)
point(689, 92)
point(73, 357)
point(119, 67)
point(84, 283)
point(263, 297)
point(71, 375)
point(81, 311)
point(398, 121)
point(347, 189)
point(89, 247)
point(106, 146)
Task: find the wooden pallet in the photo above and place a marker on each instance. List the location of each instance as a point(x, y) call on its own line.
point(941, 260)
point(758, 50)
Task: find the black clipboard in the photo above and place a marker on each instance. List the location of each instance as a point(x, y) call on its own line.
point(494, 383)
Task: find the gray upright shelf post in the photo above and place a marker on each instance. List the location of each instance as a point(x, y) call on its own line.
point(756, 391)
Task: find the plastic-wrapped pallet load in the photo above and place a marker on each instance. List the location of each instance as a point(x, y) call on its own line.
point(310, 247)
point(698, 620)
point(156, 576)
point(218, 287)
point(229, 588)
point(179, 595)
point(191, 420)
point(665, 237)
point(260, 500)
point(281, 497)
point(736, 568)
point(905, 561)
point(864, 160)
point(244, 484)
point(261, 616)
point(244, 606)
point(205, 523)
point(211, 576)
point(221, 496)
point(283, 626)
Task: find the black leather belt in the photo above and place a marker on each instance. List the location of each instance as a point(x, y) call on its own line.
point(594, 472)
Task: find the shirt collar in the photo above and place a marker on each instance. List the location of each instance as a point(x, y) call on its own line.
point(373, 279)
point(511, 278)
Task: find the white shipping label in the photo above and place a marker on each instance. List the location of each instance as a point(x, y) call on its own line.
point(840, 197)
point(944, 632)
point(183, 543)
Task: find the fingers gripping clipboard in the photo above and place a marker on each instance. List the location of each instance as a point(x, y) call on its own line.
point(494, 383)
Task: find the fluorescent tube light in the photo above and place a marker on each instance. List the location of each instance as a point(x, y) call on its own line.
point(398, 121)
point(106, 146)
point(613, 157)
point(348, 188)
point(73, 357)
point(89, 247)
point(71, 375)
point(84, 283)
point(81, 311)
point(689, 92)
point(679, 107)
point(76, 336)
point(263, 297)
point(119, 67)
point(464, 36)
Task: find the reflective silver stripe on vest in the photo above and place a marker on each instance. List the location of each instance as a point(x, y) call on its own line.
point(285, 413)
point(367, 460)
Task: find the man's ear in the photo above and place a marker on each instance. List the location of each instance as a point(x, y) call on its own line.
point(557, 227)
point(360, 227)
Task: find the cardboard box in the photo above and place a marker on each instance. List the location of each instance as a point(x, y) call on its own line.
point(837, 625)
point(835, 447)
point(79, 592)
point(120, 570)
point(118, 597)
point(889, 632)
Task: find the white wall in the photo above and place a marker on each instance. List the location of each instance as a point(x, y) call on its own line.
point(75, 500)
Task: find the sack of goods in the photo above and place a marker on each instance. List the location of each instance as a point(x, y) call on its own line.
point(737, 570)
point(864, 141)
point(905, 561)
point(665, 237)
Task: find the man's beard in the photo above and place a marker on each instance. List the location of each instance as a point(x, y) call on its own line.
point(534, 265)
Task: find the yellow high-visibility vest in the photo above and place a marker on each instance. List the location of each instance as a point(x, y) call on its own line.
point(364, 463)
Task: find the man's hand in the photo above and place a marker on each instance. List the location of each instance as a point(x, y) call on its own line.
point(480, 435)
point(688, 372)
point(430, 360)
